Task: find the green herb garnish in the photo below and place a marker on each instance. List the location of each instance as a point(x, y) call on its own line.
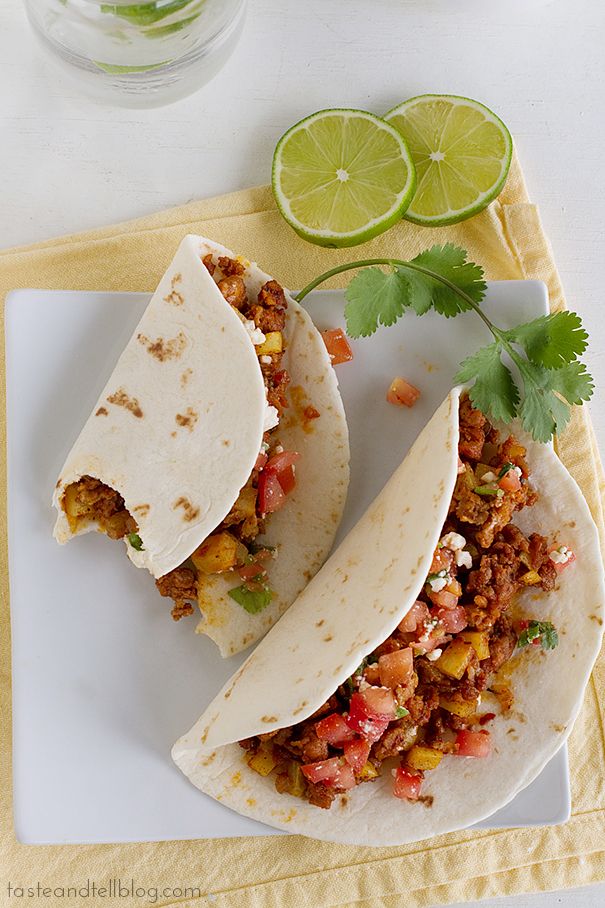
point(506, 468)
point(544, 630)
point(136, 542)
point(544, 351)
point(488, 490)
point(440, 575)
point(401, 712)
point(253, 601)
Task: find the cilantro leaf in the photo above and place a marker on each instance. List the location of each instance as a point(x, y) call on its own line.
point(551, 340)
point(548, 394)
point(449, 262)
point(545, 631)
point(494, 391)
point(253, 601)
point(401, 712)
point(136, 542)
point(375, 297)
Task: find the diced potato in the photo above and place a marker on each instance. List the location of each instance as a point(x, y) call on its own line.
point(479, 640)
point(530, 578)
point(459, 707)
point(369, 771)
point(420, 757)
point(273, 343)
point(296, 779)
point(72, 507)
point(455, 659)
point(218, 553)
point(263, 762)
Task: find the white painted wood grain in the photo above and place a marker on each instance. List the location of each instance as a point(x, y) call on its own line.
point(68, 165)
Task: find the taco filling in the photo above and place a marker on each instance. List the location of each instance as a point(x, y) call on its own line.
point(417, 698)
point(231, 547)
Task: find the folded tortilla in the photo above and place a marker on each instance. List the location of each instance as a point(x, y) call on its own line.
point(353, 604)
point(178, 428)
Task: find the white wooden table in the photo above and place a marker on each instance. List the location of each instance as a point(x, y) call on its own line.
point(67, 165)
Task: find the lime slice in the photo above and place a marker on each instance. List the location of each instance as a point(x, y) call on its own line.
point(341, 177)
point(462, 153)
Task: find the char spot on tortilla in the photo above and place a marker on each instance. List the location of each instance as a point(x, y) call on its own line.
point(268, 719)
point(173, 434)
point(121, 399)
point(236, 778)
point(102, 411)
point(58, 483)
point(206, 761)
point(226, 442)
point(164, 349)
point(142, 509)
point(426, 800)
point(320, 623)
point(345, 578)
point(344, 800)
point(328, 638)
point(174, 297)
point(186, 376)
point(190, 512)
point(188, 419)
point(596, 618)
point(251, 802)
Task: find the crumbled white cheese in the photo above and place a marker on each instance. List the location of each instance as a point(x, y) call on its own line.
point(434, 655)
point(560, 555)
point(256, 335)
point(438, 583)
point(464, 559)
point(266, 360)
point(518, 471)
point(363, 684)
point(489, 477)
point(271, 418)
point(279, 449)
point(453, 541)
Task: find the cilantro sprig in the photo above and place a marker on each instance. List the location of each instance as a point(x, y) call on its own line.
point(546, 377)
point(544, 631)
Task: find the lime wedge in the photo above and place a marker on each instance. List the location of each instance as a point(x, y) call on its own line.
point(341, 177)
point(462, 153)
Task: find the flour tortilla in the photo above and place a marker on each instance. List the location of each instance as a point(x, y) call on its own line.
point(178, 428)
point(353, 604)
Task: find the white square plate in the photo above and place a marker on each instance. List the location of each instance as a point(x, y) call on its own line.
point(103, 681)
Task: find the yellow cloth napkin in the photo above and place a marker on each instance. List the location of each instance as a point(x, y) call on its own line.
point(290, 872)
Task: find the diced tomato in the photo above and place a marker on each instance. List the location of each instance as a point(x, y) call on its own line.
point(279, 462)
point(334, 730)
point(443, 599)
point(287, 480)
point(332, 772)
point(261, 460)
point(510, 482)
point(271, 496)
point(418, 613)
point(452, 620)
point(379, 701)
point(407, 784)
point(357, 753)
point(371, 674)
point(402, 393)
point(442, 560)
point(337, 346)
point(396, 668)
point(365, 720)
point(486, 717)
point(251, 571)
point(473, 744)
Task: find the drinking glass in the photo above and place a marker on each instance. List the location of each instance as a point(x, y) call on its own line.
point(138, 54)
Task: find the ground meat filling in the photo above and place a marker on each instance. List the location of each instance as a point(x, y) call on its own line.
point(457, 635)
point(89, 500)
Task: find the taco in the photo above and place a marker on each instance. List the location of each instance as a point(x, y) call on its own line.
point(416, 686)
point(218, 448)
